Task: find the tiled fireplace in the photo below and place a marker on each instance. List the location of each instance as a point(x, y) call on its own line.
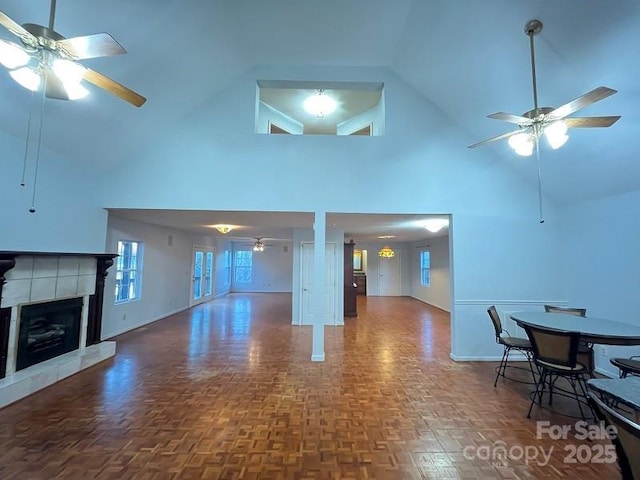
point(50, 318)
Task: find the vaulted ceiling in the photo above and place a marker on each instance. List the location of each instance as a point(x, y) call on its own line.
point(467, 57)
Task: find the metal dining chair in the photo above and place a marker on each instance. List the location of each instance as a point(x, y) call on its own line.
point(585, 350)
point(626, 440)
point(555, 353)
point(627, 366)
point(504, 338)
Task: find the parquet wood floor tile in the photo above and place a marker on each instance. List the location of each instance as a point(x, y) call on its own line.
point(227, 391)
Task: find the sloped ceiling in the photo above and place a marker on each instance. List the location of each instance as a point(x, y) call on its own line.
point(470, 58)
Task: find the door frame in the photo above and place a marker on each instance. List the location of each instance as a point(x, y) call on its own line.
point(203, 298)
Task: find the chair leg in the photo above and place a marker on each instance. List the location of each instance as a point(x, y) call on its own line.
point(572, 382)
point(583, 388)
point(538, 391)
point(502, 366)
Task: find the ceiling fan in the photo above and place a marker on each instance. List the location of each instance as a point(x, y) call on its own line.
point(46, 58)
point(552, 122)
point(259, 245)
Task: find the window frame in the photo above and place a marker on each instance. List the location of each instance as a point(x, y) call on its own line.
point(249, 277)
point(425, 268)
point(120, 271)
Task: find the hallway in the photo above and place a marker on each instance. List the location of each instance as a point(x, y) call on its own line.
point(226, 390)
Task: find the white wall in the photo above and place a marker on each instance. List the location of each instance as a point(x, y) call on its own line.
point(68, 216)
point(166, 274)
point(372, 268)
point(601, 242)
point(272, 269)
point(421, 165)
point(438, 292)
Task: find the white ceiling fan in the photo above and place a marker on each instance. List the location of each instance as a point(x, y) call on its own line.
point(552, 123)
point(45, 59)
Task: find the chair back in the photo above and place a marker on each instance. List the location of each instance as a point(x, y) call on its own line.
point(578, 312)
point(627, 439)
point(495, 319)
point(554, 346)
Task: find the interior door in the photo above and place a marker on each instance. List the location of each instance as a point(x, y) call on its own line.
point(390, 276)
point(307, 298)
point(203, 264)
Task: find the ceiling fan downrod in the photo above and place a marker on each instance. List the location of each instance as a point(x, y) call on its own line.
point(532, 28)
point(52, 14)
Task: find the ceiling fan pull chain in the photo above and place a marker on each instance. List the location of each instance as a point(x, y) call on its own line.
point(541, 220)
point(35, 174)
point(26, 145)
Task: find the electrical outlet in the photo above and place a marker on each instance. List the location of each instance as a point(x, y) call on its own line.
point(604, 351)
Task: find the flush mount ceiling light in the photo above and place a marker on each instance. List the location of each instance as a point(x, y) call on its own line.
point(386, 237)
point(434, 225)
point(223, 229)
point(386, 252)
point(320, 104)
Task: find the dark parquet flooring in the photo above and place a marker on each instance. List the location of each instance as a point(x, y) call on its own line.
point(226, 390)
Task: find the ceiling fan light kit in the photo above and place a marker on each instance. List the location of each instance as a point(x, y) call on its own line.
point(552, 123)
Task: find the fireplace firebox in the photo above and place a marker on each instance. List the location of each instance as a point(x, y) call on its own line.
point(48, 330)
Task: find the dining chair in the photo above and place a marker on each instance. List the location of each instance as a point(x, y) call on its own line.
point(555, 353)
point(626, 440)
point(504, 338)
point(586, 354)
point(627, 366)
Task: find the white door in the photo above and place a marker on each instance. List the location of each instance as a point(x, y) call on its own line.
point(307, 264)
point(390, 276)
point(203, 263)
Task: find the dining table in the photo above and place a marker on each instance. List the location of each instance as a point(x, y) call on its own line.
point(618, 391)
point(596, 330)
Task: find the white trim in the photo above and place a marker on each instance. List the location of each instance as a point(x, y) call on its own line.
point(317, 358)
point(509, 302)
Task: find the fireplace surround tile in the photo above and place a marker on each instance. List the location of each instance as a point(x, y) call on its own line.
point(45, 267)
point(23, 269)
point(16, 292)
point(68, 267)
point(42, 289)
point(87, 266)
point(86, 284)
point(66, 287)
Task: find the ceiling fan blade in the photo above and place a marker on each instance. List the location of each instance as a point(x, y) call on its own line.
point(508, 117)
point(493, 139)
point(114, 87)
point(591, 122)
point(17, 29)
point(587, 99)
point(91, 46)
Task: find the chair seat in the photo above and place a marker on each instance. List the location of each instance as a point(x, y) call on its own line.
point(578, 369)
point(627, 364)
point(515, 342)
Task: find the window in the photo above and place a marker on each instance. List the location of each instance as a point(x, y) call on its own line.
point(244, 263)
point(128, 271)
point(425, 268)
point(227, 267)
